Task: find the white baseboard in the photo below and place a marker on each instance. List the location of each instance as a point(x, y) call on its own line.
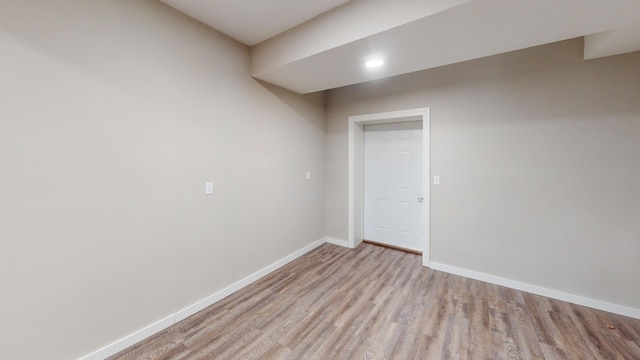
point(339, 242)
point(538, 290)
point(158, 326)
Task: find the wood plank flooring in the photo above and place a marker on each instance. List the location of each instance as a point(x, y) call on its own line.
point(374, 303)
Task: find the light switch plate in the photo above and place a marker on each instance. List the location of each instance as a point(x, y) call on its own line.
point(436, 180)
point(308, 175)
point(208, 188)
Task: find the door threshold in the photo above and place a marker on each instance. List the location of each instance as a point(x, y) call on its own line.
point(394, 247)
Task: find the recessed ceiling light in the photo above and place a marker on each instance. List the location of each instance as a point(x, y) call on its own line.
point(374, 63)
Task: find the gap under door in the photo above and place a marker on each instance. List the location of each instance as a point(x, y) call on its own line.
point(393, 184)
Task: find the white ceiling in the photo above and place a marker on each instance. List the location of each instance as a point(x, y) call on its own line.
point(253, 21)
point(322, 43)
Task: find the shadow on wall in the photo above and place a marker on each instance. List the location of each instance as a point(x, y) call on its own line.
point(299, 103)
point(85, 38)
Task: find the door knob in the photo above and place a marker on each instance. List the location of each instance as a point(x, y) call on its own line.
point(420, 199)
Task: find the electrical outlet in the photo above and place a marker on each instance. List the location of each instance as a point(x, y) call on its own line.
point(208, 188)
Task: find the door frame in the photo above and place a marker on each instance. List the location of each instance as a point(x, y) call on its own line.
point(356, 171)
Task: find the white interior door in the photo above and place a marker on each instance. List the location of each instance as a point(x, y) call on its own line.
point(393, 184)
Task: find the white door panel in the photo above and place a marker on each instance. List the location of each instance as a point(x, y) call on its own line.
point(393, 184)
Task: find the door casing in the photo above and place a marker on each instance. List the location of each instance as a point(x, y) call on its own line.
point(356, 171)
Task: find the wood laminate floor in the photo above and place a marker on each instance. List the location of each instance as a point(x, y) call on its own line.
point(377, 303)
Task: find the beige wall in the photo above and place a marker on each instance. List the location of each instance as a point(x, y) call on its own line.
point(113, 114)
point(538, 153)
